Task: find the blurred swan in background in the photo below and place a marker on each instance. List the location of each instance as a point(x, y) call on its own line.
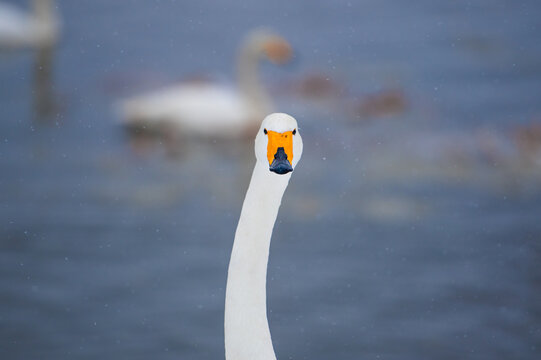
point(210, 109)
point(36, 29)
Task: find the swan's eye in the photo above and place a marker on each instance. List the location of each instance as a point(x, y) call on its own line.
point(265, 131)
point(294, 131)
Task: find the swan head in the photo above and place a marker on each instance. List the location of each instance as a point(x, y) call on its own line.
point(278, 144)
point(262, 42)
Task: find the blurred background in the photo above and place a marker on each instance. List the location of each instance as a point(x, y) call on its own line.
point(411, 227)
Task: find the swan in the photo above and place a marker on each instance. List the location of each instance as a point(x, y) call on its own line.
point(207, 109)
point(278, 148)
point(36, 29)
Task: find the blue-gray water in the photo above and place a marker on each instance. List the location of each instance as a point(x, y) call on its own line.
point(414, 236)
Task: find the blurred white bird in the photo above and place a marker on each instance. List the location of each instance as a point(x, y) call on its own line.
point(36, 29)
point(209, 109)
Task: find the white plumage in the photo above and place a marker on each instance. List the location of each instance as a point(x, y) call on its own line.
point(247, 334)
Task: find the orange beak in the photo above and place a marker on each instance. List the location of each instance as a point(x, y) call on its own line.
point(280, 151)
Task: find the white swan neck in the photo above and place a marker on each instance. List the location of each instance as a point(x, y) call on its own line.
point(247, 334)
point(248, 77)
point(44, 27)
point(44, 10)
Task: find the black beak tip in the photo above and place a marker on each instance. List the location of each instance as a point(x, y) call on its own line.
point(281, 168)
point(280, 164)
